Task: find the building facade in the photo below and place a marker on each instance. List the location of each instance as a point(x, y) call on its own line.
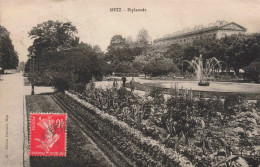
point(215, 30)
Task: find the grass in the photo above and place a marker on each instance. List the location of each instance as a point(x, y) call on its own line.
point(80, 151)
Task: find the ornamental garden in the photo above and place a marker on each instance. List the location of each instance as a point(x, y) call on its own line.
point(190, 105)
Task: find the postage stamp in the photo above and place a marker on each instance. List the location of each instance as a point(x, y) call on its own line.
point(48, 134)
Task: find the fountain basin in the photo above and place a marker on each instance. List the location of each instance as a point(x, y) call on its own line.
point(203, 83)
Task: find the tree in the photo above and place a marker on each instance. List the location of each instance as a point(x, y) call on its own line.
point(98, 50)
point(252, 72)
point(52, 35)
point(176, 52)
point(78, 65)
point(121, 53)
point(65, 68)
point(49, 37)
point(129, 41)
point(240, 50)
point(117, 42)
point(116, 49)
point(160, 67)
point(8, 56)
point(21, 66)
point(124, 67)
point(143, 38)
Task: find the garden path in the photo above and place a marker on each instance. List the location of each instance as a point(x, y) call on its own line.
point(12, 91)
point(11, 114)
point(214, 86)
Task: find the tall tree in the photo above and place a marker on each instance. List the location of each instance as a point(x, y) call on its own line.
point(21, 66)
point(129, 41)
point(117, 42)
point(52, 35)
point(176, 52)
point(8, 56)
point(49, 37)
point(143, 38)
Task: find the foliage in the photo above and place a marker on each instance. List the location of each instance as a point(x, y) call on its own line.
point(193, 126)
point(181, 117)
point(176, 52)
point(234, 103)
point(252, 72)
point(124, 67)
point(121, 131)
point(78, 87)
point(209, 109)
point(143, 38)
point(56, 57)
point(121, 52)
point(157, 95)
point(62, 82)
point(8, 56)
point(52, 35)
point(160, 67)
point(235, 51)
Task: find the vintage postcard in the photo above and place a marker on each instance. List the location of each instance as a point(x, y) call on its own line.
point(142, 83)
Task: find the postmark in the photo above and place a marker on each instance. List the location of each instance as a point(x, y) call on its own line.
point(48, 134)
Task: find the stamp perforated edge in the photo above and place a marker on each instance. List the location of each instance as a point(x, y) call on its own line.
point(66, 119)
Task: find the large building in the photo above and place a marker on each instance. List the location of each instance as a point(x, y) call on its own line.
point(215, 30)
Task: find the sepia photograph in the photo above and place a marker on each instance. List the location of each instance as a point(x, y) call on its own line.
point(130, 83)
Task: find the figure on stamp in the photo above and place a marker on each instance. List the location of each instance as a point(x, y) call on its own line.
point(49, 137)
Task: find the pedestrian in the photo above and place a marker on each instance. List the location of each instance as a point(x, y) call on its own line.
point(115, 84)
point(123, 80)
point(132, 85)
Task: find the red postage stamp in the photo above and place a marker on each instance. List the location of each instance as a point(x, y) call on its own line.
point(48, 134)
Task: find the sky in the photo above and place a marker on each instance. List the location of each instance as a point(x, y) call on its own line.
point(96, 24)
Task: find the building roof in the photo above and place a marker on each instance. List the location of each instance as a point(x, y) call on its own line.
point(219, 25)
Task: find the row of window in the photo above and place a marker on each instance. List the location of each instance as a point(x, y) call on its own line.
point(187, 40)
point(193, 38)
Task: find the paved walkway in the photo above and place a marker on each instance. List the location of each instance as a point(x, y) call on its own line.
point(12, 91)
point(214, 86)
point(11, 120)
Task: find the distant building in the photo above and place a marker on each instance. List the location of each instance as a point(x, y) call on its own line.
point(215, 30)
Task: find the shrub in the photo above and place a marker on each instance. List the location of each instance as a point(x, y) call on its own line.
point(61, 84)
point(181, 117)
point(230, 104)
point(78, 87)
point(160, 67)
point(157, 94)
point(63, 81)
point(252, 72)
point(122, 93)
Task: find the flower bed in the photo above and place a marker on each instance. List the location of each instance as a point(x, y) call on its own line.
point(153, 147)
point(194, 127)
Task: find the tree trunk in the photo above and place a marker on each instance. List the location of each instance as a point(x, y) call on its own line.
point(236, 72)
point(32, 89)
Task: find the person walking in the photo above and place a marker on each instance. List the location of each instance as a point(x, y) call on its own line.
point(123, 80)
point(132, 85)
point(115, 83)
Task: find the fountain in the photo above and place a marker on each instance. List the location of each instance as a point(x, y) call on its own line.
point(203, 74)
